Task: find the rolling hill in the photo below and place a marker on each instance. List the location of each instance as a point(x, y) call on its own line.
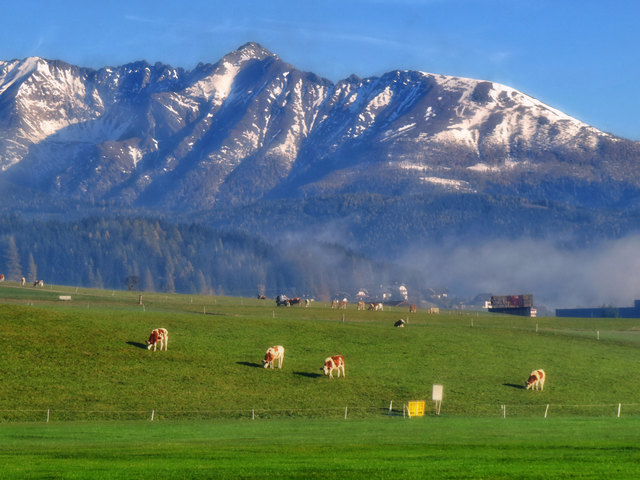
point(213, 367)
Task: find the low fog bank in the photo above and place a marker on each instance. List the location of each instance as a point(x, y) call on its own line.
point(606, 273)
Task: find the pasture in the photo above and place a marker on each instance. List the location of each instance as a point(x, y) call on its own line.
point(443, 448)
point(83, 364)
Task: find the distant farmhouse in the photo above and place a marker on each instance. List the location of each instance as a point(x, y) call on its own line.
point(601, 312)
point(513, 305)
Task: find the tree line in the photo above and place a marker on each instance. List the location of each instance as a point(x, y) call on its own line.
point(155, 255)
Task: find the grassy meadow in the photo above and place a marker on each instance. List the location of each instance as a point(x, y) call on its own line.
point(379, 448)
point(83, 363)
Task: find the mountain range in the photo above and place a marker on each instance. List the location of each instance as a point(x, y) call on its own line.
point(377, 165)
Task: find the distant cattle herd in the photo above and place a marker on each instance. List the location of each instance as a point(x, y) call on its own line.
point(23, 281)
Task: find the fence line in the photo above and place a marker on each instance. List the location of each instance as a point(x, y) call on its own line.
point(613, 410)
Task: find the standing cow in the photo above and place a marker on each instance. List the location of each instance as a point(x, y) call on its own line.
point(335, 362)
point(536, 380)
point(274, 353)
point(161, 336)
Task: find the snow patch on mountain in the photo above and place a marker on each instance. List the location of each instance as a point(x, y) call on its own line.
point(508, 165)
point(449, 184)
point(215, 88)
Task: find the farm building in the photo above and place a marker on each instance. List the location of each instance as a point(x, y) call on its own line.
point(513, 305)
point(601, 312)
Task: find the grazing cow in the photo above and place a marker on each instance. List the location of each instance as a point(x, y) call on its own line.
point(282, 300)
point(307, 302)
point(334, 303)
point(400, 323)
point(38, 283)
point(343, 304)
point(159, 335)
point(335, 362)
point(536, 380)
point(413, 308)
point(295, 301)
point(361, 305)
point(273, 354)
point(378, 307)
point(262, 297)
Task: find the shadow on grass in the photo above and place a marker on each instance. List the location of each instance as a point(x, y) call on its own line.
point(137, 344)
point(513, 385)
point(251, 364)
point(308, 375)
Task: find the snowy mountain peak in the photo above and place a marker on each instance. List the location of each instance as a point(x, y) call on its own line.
point(249, 51)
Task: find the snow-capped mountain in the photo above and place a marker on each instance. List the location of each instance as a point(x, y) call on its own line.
point(253, 127)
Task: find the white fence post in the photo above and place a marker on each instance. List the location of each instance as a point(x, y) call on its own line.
point(546, 411)
point(504, 411)
point(390, 407)
point(345, 412)
point(253, 414)
point(153, 414)
point(619, 408)
point(49, 412)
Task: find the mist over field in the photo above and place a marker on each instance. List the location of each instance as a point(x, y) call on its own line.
point(604, 273)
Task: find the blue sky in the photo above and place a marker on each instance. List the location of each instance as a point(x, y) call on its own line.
point(580, 56)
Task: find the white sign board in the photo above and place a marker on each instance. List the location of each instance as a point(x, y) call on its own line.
point(437, 393)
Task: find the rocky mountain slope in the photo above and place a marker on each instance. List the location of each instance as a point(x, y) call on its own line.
point(252, 127)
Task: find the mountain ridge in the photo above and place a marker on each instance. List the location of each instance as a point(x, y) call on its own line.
point(252, 126)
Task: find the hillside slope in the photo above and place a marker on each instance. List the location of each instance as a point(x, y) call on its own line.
point(77, 371)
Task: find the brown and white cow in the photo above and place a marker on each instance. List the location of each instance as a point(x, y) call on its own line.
point(377, 307)
point(335, 362)
point(158, 336)
point(361, 305)
point(274, 353)
point(413, 308)
point(536, 380)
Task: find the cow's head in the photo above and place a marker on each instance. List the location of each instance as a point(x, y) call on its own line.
point(530, 381)
point(153, 338)
point(326, 368)
point(268, 358)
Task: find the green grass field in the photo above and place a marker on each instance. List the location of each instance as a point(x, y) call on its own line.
point(387, 448)
point(100, 387)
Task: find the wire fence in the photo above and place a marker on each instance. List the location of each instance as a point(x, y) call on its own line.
point(611, 410)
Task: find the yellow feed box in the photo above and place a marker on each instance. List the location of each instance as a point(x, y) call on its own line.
point(416, 409)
